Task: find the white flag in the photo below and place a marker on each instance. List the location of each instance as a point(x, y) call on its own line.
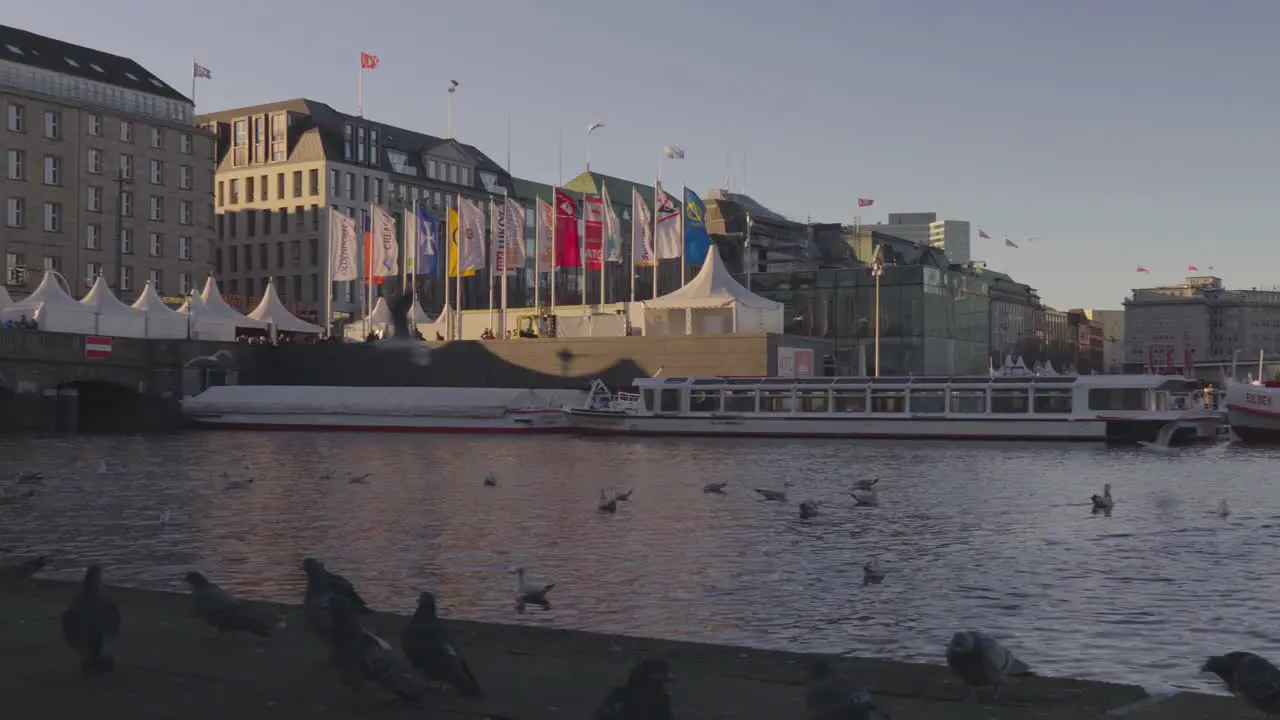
point(498, 237)
point(673, 152)
point(668, 212)
point(471, 235)
point(386, 251)
point(342, 247)
point(545, 237)
point(641, 231)
point(515, 237)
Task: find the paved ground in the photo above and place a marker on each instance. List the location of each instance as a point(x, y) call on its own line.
point(170, 668)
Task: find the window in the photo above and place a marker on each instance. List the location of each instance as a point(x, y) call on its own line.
point(95, 161)
point(360, 144)
point(186, 175)
point(184, 247)
point(184, 143)
point(126, 277)
point(249, 186)
point(184, 212)
point(157, 138)
point(346, 142)
point(52, 170)
point(928, 401)
point(811, 401)
point(280, 256)
point(17, 118)
point(315, 217)
point(93, 201)
point(849, 401)
point(1118, 399)
point(155, 277)
point(366, 188)
point(94, 125)
point(222, 193)
point(266, 222)
point(314, 181)
point(969, 401)
point(377, 190)
point(235, 191)
point(248, 260)
point(669, 400)
point(295, 251)
point(52, 124)
point(126, 131)
point(17, 165)
point(280, 185)
point(1052, 401)
point(157, 208)
point(53, 262)
point(775, 401)
point(126, 167)
point(431, 169)
point(466, 176)
point(373, 147)
point(453, 174)
point(15, 266)
point(157, 172)
point(184, 282)
point(126, 203)
point(15, 214)
point(93, 236)
point(888, 401)
point(265, 188)
point(126, 241)
point(349, 186)
point(92, 271)
point(739, 401)
point(1009, 401)
point(53, 217)
point(704, 401)
point(333, 183)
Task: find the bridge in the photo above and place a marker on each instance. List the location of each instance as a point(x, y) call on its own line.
point(55, 382)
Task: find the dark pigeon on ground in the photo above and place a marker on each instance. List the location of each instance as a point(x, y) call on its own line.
point(831, 697)
point(644, 697)
point(315, 602)
point(431, 649)
point(92, 624)
point(339, 585)
point(981, 661)
point(362, 657)
point(1250, 677)
point(218, 608)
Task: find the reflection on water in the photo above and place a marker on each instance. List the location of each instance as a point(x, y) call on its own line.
point(983, 536)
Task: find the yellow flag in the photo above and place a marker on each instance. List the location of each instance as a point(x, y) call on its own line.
point(453, 246)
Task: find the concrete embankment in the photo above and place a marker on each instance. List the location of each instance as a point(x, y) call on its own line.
point(170, 668)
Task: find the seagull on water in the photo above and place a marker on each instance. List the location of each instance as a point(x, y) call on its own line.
point(29, 477)
point(624, 497)
point(491, 480)
point(530, 591)
point(1103, 501)
point(715, 488)
point(872, 573)
point(865, 484)
point(808, 509)
point(866, 498)
point(173, 517)
point(607, 503)
point(1223, 509)
point(358, 479)
point(775, 495)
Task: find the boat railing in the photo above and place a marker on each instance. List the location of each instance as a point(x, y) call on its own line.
point(601, 398)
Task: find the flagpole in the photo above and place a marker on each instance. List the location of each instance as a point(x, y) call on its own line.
point(493, 256)
point(360, 91)
point(457, 308)
point(416, 224)
point(656, 259)
point(506, 264)
point(604, 200)
point(193, 82)
point(328, 276)
point(684, 243)
point(444, 305)
point(582, 255)
point(634, 210)
point(368, 313)
point(537, 254)
point(555, 238)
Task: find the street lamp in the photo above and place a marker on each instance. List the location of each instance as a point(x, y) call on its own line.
point(877, 269)
point(453, 87)
point(590, 129)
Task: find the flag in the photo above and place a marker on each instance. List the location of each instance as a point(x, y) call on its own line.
point(668, 240)
point(641, 231)
point(673, 152)
point(1010, 243)
point(1141, 269)
point(367, 61)
point(368, 252)
point(424, 234)
point(1193, 268)
point(567, 254)
point(612, 230)
point(593, 225)
point(865, 202)
point(543, 238)
point(200, 71)
point(515, 237)
point(470, 235)
point(453, 246)
point(498, 223)
point(982, 234)
point(386, 250)
point(342, 247)
point(697, 242)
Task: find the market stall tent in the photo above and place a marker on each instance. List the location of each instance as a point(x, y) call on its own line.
point(204, 325)
point(114, 318)
point(271, 311)
point(163, 322)
point(217, 307)
point(52, 309)
point(712, 303)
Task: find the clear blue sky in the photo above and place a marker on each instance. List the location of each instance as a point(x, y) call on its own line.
point(1119, 132)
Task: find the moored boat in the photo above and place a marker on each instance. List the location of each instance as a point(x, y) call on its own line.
point(1253, 411)
point(1152, 409)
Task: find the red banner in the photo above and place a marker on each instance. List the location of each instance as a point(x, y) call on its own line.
point(368, 259)
point(567, 252)
point(593, 212)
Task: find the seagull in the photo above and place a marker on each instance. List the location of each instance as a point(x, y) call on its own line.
point(1223, 510)
point(238, 484)
point(362, 657)
point(981, 661)
point(1249, 677)
point(831, 697)
point(8, 498)
point(606, 503)
point(872, 573)
point(866, 498)
point(775, 495)
point(29, 478)
point(218, 608)
point(808, 509)
point(1103, 501)
point(714, 488)
point(530, 592)
point(358, 479)
point(865, 484)
point(432, 650)
point(173, 517)
point(491, 480)
point(92, 623)
point(644, 695)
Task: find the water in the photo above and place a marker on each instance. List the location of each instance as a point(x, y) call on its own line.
point(981, 536)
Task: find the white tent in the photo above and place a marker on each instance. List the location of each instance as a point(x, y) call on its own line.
point(712, 303)
point(5, 300)
point(438, 326)
point(162, 320)
point(53, 309)
point(383, 322)
point(271, 311)
point(378, 321)
point(204, 325)
point(114, 317)
point(216, 307)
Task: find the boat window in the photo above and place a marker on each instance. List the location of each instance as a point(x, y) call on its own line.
point(850, 401)
point(740, 401)
point(670, 400)
point(888, 401)
point(704, 401)
point(811, 400)
point(1008, 401)
point(647, 394)
point(775, 401)
point(1118, 399)
point(1053, 401)
point(928, 401)
point(968, 401)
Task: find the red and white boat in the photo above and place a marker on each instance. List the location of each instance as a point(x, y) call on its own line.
point(1253, 411)
point(386, 409)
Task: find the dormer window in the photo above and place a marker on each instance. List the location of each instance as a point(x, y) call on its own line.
point(131, 76)
point(72, 63)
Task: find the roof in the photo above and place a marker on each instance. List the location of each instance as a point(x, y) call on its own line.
point(270, 310)
point(46, 53)
point(712, 287)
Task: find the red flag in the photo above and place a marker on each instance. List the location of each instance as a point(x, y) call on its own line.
point(1193, 268)
point(368, 253)
point(567, 252)
point(593, 212)
point(865, 202)
point(1141, 269)
point(367, 61)
point(982, 234)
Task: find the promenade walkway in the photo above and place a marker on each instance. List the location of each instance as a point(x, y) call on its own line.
point(170, 668)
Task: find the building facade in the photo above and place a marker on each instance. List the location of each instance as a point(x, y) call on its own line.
point(1111, 323)
point(104, 172)
point(282, 166)
point(952, 237)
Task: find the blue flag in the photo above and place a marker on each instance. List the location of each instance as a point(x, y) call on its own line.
point(427, 261)
point(697, 241)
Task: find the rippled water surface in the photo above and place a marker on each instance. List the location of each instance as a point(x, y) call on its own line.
point(994, 537)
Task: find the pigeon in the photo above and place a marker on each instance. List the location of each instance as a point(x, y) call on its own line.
point(25, 569)
point(832, 697)
point(92, 624)
point(1249, 677)
point(981, 661)
point(714, 488)
point(644, 697)
point(1103, 501)
point(315, 603)
point(430, 648)
point(606, 503)
point(339, 585)
point(529, 592)
point(218, 608)
point(808, 509)
point(362, 657)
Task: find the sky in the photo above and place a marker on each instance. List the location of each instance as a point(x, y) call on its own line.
point(1119, 134)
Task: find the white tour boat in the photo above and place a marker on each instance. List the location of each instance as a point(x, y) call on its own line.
point(388, 409)
point(1253, 411)
point(1158, 409)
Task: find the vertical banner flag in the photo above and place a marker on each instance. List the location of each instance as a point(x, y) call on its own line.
point(454, 232)
point(593, 215)
point(386, 251)
point(641, 231)
point(424, 226)
point(668, 212)
point(515, 238)
point(546, 221)
point(697, 242)
point(498, 228)
point(470, 235)
point(612, 231)
point(366, 272)
point(342, 247)
point(567, 254)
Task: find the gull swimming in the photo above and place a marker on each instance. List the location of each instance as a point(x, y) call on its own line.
point(808, 509)
point(530, 591)
point(624, 497)
point(358, 479)
point(872, 573)
point(29, 478)
point(715, 488)
point(491, 480)
point(1223, 510)
point(606, 503)
point(775, 495)
point(866, 498)
point(1103, 501)
point(865, 484)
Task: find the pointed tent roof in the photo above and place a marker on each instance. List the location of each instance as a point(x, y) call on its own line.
point(194, 304)
point(381, 314)
point(51, 294)
point(149, 301)
point(712, 287)
point(271, 310)
point(216, 307)
point(101, 299)
point(5, 300)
